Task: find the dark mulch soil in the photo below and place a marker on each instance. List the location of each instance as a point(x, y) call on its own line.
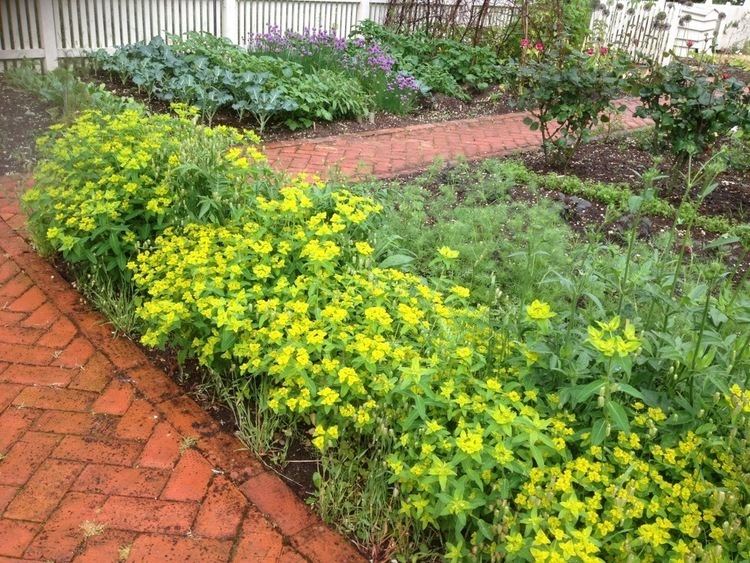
point(22, 119)
point(437, 108)
point(624, 160)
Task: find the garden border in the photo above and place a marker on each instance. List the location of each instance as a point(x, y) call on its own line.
point(304, 530)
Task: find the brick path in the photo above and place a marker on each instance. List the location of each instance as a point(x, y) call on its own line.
point(94, 463)
point(392, 152)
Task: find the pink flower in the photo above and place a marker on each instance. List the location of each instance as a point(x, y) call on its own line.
point(539, 46)
point(689, 43)
point(525, 43)
point(590, 51)
point(603, 50)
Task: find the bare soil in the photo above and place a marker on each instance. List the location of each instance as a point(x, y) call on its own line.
point(22, 119)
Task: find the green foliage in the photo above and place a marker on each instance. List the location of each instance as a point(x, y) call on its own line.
point(65, 92)
point(692, 109)
point(108, 184)
point(502, 243)
point(568, 93)
point(599, 411)
point(738, 151)
point(211, 74)
point(445, 65)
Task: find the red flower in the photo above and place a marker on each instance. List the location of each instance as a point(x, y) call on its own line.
point(539, 46)
point(603, 50)
point(590, 51)
point(525, 43)
point(689, 43)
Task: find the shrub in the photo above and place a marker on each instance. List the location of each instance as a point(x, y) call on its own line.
point(692, 109)
point(109, 183)
point(568, 93)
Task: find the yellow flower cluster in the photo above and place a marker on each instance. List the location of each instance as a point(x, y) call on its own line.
point(107, 172)
point(606, 340)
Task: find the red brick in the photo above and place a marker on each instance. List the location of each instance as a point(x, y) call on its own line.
point(37, 375)
point(8, 269)
point(124, 353)
point(43, 317)
point(115, 400)
point(25, 456)
point(8, 392)
point(290, 555)
point(15, 287)
point(189, 479)
point(7, 318)
point(123, 481)
point(258, 540)
point(95, 375)
point(147, 515)
point(222, 450)
point(166, 549)
point(15, 536)
point(90, 450)
point(154, 383)
point(76, 354)
point(59, 334)
point(14, 422)
point(105, 547)
point(54, 398)
point(61, 533)
point(278, 502)
point(29, 302)
point(138, 422)
point(26, 354)
point(64, 422)
point(320, 543)
point(6, 495)
point(19, 335)
point(221, 510)
point(162, 449)
point(43, 491)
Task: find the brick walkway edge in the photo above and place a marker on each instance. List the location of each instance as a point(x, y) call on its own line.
point(97, 463)
point(393, 152)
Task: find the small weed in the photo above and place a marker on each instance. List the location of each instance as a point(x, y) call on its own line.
point(188, 443)
point(91, 529)
point(124, 552)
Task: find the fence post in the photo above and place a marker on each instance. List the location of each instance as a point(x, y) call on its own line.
point(48, 34)
point(363, 12)
point(672, 32)
point(229, 22)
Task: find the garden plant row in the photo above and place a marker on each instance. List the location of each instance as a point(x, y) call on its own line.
point(608, 419)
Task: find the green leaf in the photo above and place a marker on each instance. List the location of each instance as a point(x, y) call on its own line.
point(396, 261)
point(618, 415)
point(598, 432)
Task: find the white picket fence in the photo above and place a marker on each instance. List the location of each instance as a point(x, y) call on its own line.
point(51, 30)
point(656, 27)
point(47, 31)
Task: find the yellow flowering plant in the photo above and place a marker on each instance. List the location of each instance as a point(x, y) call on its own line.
point(110, 182)
point(533, 431)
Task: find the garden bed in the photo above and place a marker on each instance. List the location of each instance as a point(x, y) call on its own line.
point(626, 159)
point(23, 118)
point(433, 109)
